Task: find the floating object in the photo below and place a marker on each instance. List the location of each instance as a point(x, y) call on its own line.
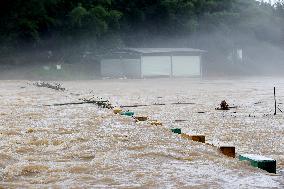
point(261, 162)
point(180, 120)
point(229, 151)
point(176, 130)
point(157, 123)
point(257, 103)
point(141, 118)
point(185, 136)
point(209, 144)
point(102, 104)
point(223, 106)
point(117, 110)
point(201, 112)
point(127, 113)
point(55, 86)
point(158, 104)
point(198, 138)
point(183, 103)
point(30, 130)
point(133, 106)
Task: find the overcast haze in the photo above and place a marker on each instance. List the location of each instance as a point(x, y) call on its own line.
point(272, 1)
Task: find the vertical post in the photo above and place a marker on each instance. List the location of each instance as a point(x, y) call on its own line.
point(275, 103)
point(121, 67)
point(201, 66)
point(141, 66)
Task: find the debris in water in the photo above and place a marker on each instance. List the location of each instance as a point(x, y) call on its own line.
point(30, 130)
point(176, 130)
point(198, 138)
point(141, 118)
point(156, 123)
point(223, 106)
point(180, 120)
point(158, 104)
point(101, 103)
point(75, 94)
point(117, 111)
point(133, 106)
point(185, 136)
point(55, 86)
point(183, 103)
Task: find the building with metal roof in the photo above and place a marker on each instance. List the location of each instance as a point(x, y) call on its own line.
point(153, 62)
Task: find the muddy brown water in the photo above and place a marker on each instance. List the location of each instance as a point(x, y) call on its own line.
point(83, 146)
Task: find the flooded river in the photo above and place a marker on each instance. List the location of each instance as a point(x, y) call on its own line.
point(83, 146)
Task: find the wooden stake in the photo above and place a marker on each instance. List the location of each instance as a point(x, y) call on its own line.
point(275, 103)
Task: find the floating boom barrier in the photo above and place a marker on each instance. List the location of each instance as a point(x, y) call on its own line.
point(229, 151)
point(141, 118)
point(261, 162)
point(258, 161)
point(264, 163)
point(196, 138)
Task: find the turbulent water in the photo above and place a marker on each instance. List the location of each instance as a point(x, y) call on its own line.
point(83, 146)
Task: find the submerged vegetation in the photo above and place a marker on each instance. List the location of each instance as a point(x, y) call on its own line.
point(68, 31)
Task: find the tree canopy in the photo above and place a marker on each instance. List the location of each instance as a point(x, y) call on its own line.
point(100, 25)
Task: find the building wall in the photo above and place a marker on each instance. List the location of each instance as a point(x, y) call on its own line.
point(154, 66)
point(120, 68)
point(131, 68)
point(186, 66)
point(176, 66)
point(111, 68)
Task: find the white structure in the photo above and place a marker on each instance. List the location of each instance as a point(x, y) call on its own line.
point(153, 62)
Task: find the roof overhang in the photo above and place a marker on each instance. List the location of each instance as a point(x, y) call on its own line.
point(137, 52)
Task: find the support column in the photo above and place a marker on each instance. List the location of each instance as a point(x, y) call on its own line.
point(171, 66)
point(201, 66)
point(141, 62)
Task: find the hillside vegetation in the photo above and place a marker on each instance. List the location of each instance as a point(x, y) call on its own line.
point(67, 30)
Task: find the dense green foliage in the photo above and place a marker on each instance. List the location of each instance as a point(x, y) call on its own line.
point(68, 26)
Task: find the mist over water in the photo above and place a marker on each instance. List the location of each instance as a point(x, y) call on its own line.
point(86, 146)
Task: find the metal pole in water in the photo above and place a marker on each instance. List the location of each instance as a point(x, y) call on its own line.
point(275, 101)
